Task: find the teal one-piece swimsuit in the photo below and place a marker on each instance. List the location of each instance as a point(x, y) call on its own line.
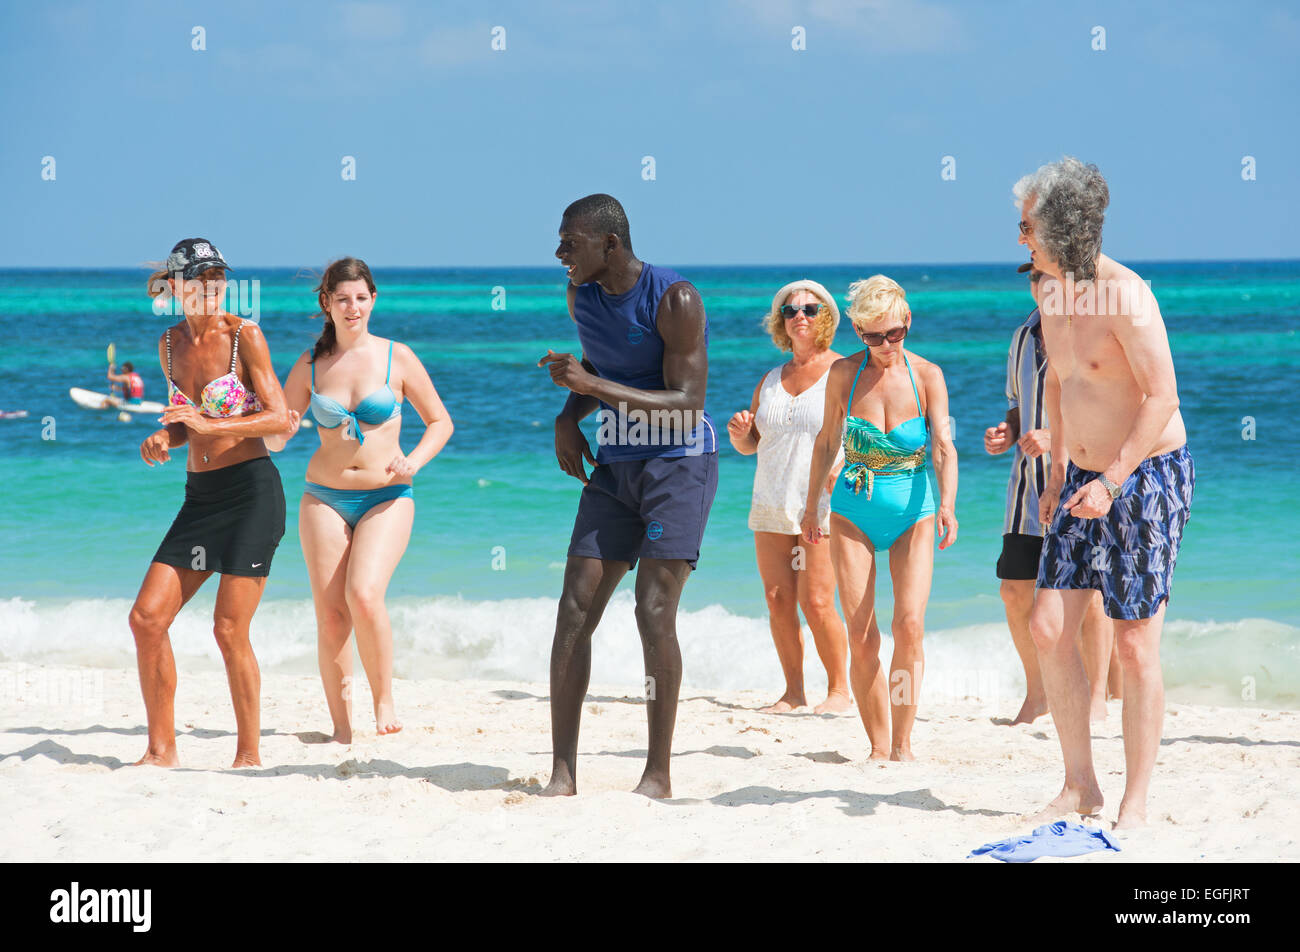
point(885, 487)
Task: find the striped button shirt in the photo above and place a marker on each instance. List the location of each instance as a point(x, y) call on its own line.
point(1026, 371)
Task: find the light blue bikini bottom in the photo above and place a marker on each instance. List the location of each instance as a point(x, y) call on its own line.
point(352, 504)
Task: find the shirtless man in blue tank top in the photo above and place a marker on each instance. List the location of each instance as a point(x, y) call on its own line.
point(645, 366)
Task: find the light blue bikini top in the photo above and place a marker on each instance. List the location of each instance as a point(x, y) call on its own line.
point(378, 407)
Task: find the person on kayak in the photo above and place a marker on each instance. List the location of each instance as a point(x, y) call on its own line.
point(130, 382)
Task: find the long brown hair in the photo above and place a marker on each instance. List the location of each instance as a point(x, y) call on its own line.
point(345, 269)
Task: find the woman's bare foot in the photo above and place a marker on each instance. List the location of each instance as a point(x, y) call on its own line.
point(878, 753)
point(342, 735)
point(789, 702)
point(1085, 801)
point(386, 721)
point(836, 702)
point(1034, 707)
point(166, 758)
point(1097, 712)
point(902, 754)
point(246, 759)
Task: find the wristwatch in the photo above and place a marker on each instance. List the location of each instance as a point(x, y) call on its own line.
point(1111, 488)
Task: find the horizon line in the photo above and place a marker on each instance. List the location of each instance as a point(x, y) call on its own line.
point(522, 267)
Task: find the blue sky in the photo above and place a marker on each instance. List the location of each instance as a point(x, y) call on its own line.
point(763, 154)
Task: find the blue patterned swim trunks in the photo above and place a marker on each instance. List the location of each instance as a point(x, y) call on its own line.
point(1129, 553)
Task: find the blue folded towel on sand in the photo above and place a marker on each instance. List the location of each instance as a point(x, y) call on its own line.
point(1055, 839)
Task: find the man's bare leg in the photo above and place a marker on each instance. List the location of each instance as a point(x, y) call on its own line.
point(659, 585)
point(1144, 710)
point(588, 584)
point(1115, 679)
point(1018, 600)
point(1056, 618)
point(1096, 641)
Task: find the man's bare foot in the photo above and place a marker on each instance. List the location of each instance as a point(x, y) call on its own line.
point(1130, 817)
point(249, 759)
point(166, 758)
point(1085, 801)
point(1034, 707)
point(835, 703)
point(386, 721)
point(789, 702)
point(561, 785)
point(902, 754)
point(655, 787)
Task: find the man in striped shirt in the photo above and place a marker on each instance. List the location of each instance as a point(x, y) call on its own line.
point(1025, 427)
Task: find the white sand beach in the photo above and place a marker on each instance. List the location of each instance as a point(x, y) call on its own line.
point(459, 782)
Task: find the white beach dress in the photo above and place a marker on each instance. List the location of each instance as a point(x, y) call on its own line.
point(787, 427)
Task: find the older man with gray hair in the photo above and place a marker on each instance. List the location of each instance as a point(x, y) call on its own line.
point(1120, 486)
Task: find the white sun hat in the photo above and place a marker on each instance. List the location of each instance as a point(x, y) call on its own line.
point(820, 291)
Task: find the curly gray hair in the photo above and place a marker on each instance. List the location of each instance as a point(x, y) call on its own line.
point(1070, 201)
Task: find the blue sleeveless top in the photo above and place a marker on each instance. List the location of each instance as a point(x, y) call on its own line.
point(619, 336)
point(374, 408)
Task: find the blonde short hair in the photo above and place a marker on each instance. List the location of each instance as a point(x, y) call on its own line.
point(826, 321)
point(875, 300)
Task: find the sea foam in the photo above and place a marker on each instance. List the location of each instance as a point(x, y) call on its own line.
point(1251, 662)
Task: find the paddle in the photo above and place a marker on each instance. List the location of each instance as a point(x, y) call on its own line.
point(112, 353)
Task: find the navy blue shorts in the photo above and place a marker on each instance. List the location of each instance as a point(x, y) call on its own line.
point(1129, 553)
point(646, 508)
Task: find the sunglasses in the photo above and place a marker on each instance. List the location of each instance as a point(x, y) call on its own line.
point(789, 310)
point(1025, 227)
point(893, 335)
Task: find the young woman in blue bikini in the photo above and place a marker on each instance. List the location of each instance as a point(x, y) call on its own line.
point(355, 518)
point(884, 500)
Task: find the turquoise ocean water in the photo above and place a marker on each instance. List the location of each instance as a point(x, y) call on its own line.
point(82, 514)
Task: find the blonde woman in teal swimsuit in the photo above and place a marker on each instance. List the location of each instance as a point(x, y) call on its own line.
point(355, 517)
point(892, 408)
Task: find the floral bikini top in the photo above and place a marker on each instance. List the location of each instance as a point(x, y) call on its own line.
point(868, 450)
point(224, 397)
